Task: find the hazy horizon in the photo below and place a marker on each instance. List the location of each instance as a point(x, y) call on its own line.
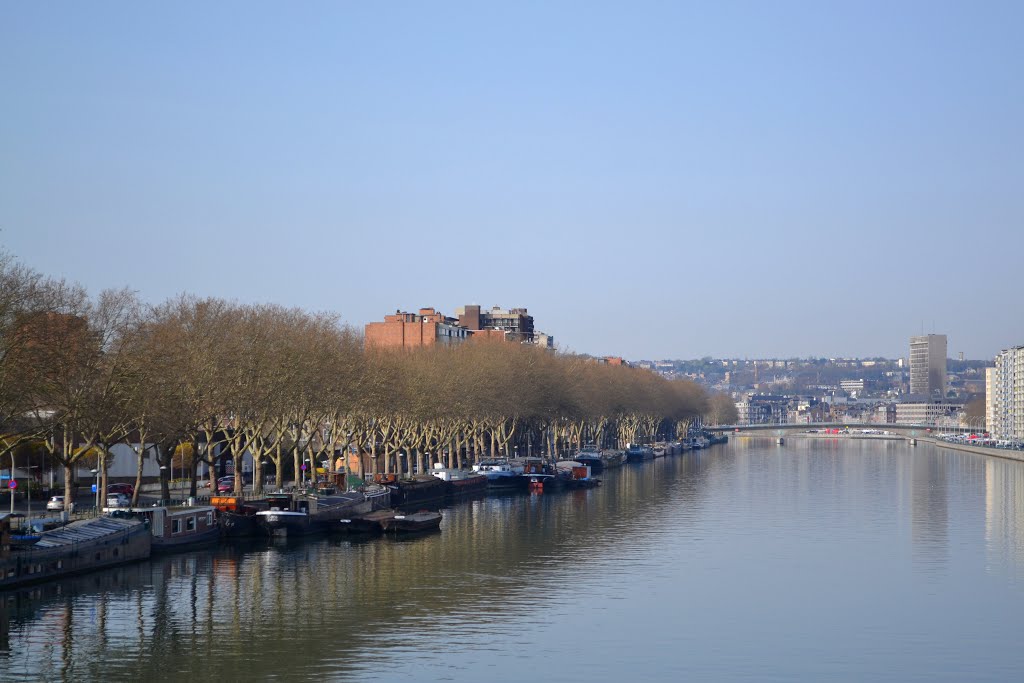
point(652, 180)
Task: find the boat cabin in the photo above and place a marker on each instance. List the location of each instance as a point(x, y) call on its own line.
point(174, 525)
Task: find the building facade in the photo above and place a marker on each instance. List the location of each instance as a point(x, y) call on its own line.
point(428, 327)
point(762, 409)
point(516, 323)
point(413, 330)
point(930, 413)
point(928, 365)
point(1004, 398)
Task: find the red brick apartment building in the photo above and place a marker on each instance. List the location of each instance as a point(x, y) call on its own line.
point(412, 330)
point(428, 327)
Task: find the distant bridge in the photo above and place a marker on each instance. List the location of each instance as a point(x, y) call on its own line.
point(791, 428)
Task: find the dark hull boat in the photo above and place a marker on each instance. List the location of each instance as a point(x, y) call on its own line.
point(369, 523)
point(418, 491)
point(592, 460)
point(576, 475)
point(302, 515)
point(413, 523)
point(460, 483)
point(541, 477)
point(236, 516)
point(590, 455)
point(639, 453)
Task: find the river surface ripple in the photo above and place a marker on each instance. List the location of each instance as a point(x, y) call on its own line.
point(821, 559)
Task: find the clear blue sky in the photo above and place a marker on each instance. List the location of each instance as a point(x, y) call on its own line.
point(650, 179)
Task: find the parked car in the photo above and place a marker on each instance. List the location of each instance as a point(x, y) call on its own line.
point(118, 500)
point(226, 484)
point(126, 489)
point(55, 503)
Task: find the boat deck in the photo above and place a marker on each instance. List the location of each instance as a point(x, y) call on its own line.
point(84, 530)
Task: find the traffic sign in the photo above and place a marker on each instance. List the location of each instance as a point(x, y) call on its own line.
point(13, 484)
point(303, 467)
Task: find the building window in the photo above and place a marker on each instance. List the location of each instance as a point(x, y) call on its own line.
point(176, 526)
point(190, 524)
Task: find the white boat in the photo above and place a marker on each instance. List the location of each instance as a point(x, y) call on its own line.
point(460, 482)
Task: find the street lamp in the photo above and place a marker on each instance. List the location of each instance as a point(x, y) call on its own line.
point(163, 473)
point(96, 486)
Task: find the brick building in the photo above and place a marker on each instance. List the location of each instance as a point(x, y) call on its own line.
point(412, 330)
point(428, 327)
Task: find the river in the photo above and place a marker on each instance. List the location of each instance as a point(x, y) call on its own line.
point(821, 559)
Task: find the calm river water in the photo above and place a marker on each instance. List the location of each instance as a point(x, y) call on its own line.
point(817, 560)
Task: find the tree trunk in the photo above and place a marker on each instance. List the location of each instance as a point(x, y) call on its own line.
point(102, 484)
point(69, 490)
point(138, 473)
point(193, 491)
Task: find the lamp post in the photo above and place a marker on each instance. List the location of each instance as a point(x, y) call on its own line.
point(96, 486)
point(163, 473)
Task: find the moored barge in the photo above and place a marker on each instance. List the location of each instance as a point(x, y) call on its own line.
point(75, 548)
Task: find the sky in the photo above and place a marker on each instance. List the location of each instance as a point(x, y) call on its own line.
point(651, 180)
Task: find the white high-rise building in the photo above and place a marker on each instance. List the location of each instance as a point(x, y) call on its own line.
point(928, 365)
point(1004, 395)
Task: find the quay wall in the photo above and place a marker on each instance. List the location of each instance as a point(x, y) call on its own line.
point(1005, 453)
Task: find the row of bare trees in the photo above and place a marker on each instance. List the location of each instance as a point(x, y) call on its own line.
point(196, 379)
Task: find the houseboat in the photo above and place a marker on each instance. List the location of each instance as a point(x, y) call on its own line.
point(75, 548)
point(175, 528)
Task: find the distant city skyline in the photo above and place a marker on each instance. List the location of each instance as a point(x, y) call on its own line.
point(650, 180)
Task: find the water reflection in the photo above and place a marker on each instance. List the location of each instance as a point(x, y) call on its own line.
point(929, 510)
point(1004, 515)
point(698, 548)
